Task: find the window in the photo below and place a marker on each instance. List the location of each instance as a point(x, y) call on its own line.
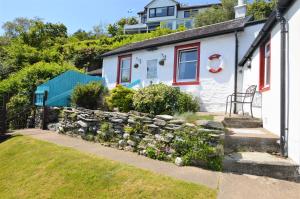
point(187, 14)
point(124, 69)
point(265, 66)
point(152, 69)
point(162, 12)
point(190, 13)
point(186, 64)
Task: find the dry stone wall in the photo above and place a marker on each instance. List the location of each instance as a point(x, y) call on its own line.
point(160, 137)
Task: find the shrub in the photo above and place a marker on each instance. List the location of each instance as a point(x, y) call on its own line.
point(195, 147)
point(16, 106)
point(89, 96)
point(162, 99)
point(121, 98)
point(187, 103)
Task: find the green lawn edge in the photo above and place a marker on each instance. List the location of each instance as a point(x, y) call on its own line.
point(32, 168)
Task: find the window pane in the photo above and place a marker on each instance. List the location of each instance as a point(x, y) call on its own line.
point(171, 11)
point(267, 71)
point(125, 70)
point(152, 12)
point(152, 69)
point(187, 14)
point(188, 56)
point(187, 71)
point(161, 12)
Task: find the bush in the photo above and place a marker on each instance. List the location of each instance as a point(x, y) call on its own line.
point(162, 99)
point(121, 98)
point(195, 147)
point(89, 96)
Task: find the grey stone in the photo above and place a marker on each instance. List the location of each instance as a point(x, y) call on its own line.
point(131, 121)
point(158, 137)
point(153, 126)
point(122, 143)
point(179, 161)
point(179, 122)
point(210, 124)
point(82, 130)
point(82, 124)
point(126, 136)
point(165, 117)
point(189, 125)
point(159, 122)
point(168, 137)
point(129, 148)
point(114, 120)
point(53, 127)
point(131, 143)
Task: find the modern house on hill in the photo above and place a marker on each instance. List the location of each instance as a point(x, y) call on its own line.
point(165, 13)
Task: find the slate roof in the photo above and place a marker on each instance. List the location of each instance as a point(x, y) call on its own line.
point(283, 6)
point(183, 7)
point(193, 34)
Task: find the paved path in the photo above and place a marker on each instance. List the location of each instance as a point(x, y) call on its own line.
point(231, 186)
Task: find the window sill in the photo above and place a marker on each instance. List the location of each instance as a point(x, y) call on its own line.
point(264, 89)
point(185, 83)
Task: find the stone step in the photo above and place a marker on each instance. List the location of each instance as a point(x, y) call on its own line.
point(251, 140)
point(261, 164)
point(242, 122)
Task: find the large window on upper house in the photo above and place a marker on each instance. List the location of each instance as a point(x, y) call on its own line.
point(162, 11)
point(124, 69)
point(187, 64)
point(265, 66)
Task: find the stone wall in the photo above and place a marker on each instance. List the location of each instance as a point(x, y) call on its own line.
point(157, 137)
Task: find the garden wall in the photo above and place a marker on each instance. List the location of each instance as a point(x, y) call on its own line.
point(160, 137)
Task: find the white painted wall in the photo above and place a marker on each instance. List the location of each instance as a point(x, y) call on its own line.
point(270, 112)
point(293, 16)
point(213, 89)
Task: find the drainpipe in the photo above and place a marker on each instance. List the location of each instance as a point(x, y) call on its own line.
point(236, 70)
point(283, 103)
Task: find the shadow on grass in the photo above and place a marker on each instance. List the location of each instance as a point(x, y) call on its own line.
point(5, 137)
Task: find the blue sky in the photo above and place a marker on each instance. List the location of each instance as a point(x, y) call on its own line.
point(76, 14)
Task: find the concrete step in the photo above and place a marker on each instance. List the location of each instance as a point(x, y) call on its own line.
point(261, 164)
point(251, 140)
point(242, 122)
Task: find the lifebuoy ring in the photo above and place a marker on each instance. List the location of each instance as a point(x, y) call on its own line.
point(219, 68)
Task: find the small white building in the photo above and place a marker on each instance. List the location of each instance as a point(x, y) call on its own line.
point(272, 64)
point(183, 59)
point(215, 61)
point(166, 13)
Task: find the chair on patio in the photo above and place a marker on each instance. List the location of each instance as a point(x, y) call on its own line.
point(242, 98)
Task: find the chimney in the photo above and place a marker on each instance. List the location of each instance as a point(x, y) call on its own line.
point(240, 9)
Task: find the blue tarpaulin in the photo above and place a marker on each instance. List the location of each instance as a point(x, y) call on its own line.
point(61, 87)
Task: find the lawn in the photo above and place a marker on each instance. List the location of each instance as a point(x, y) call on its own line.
point(35, 169)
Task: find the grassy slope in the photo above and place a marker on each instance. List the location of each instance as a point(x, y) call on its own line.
point(33, 169)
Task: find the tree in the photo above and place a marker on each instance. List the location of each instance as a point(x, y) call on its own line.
point(82, 35)
point(261, 9)
point(118, 27)
point(18, 26)
point(216, 14)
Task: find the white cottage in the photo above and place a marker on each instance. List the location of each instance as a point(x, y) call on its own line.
point(202, 61)
point(272, 64)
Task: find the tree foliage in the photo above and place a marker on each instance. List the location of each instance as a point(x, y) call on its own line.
point(261, 9)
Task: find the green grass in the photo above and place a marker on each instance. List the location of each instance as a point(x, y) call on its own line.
point(34, 169)
point(193, 117)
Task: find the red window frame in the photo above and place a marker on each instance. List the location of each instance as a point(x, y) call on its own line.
point(176, 60)
point(262, 71)
point(119, 68)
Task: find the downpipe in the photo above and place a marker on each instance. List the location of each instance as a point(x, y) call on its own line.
point(283, 83)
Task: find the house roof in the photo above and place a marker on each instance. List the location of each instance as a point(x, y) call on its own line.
point(183, 7)
point(196, 33)
point(176, 2)
point(283, 6)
